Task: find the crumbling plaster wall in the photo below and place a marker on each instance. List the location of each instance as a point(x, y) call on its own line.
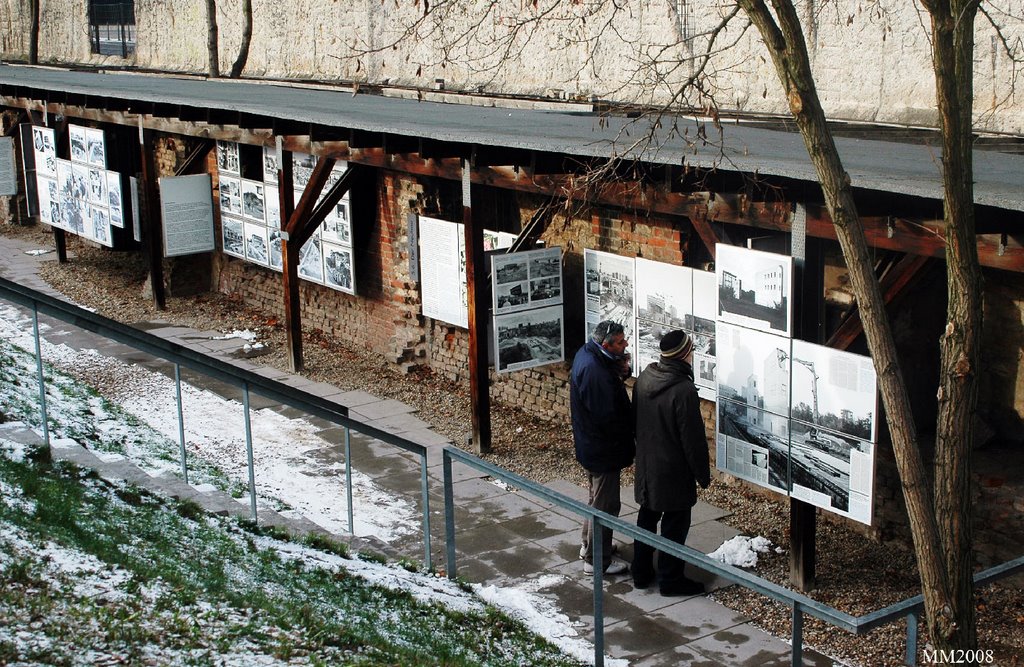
point(871, 60)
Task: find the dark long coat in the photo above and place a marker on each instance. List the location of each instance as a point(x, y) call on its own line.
point(602, 419)
point(671, 444)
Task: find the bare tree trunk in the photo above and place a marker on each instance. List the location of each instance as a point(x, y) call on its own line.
point(788, 50)
point(212, 38)
point(243, 50)
point(33, 32)
point(952, 59)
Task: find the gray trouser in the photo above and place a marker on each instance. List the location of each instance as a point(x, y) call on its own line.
point(604, 496)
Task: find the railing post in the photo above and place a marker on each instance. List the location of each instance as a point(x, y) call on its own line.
point(181, 421)
point(597, 539)
point(348, 480)
point(425, 489)
point(39, 372)
point(911, 638)
point(248, 449)
point(798, 636)
point(449, 513)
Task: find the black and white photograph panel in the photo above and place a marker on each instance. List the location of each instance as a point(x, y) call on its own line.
point(338, 270)
point(646, 349)
point(337, 171)
point(80, 178)
point(832, 470)
point(45, 145)
point(256, 244)
point(528, 338)
point(754, 288)
point(46, 189)
point(302, 169)
point(276, 249)
point(114, 200)
point(74, 213)
point(753, 368)
point(664, 293)
point(96, 148)
point(609, 281)
point(230, 195)
point(272, 203)
point(252, 201)
point(511, 296)
point(100, 229)
point(311, 260)
point(510, 268)
point(269, 164)
point(834, 389)
point(545, 263)
point(705, 361)
point(97, 186)
point(227, 157)
point(753, 444)
point(233, 233)
point(79, 150)
point(336, 227)
point(705, 302)
point(545, 291)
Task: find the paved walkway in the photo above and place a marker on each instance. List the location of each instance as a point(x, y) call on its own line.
point(504, 537)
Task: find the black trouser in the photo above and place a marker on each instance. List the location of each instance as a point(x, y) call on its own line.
point(674, 526)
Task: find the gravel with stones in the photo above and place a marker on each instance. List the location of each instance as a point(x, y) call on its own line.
point(854, 574)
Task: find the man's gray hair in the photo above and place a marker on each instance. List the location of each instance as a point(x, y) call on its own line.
point(606, 331)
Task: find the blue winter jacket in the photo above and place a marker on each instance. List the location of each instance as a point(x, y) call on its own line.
point(602, 418)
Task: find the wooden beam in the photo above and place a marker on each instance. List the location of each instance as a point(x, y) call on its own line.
point(193, 163)
point(151, 231)
point(476, 276)
point(704, 231)
point(894, 284)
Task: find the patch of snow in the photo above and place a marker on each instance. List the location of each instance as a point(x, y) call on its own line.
point(741, 551)
point(244, 334)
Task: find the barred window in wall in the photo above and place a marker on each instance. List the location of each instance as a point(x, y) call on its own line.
point(112, 27)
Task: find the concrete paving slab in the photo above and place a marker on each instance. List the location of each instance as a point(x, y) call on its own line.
point(383, 408)
point(400, 423)
point(703, 511)
point(746, 645)
point(352, 398)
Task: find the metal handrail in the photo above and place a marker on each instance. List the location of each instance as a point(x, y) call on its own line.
point(220, 370)
point(799, 603)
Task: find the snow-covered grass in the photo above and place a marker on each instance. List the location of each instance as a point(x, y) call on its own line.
point(94, 574)
point(100, 574)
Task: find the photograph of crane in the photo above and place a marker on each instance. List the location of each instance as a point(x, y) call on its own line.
point(834, 389)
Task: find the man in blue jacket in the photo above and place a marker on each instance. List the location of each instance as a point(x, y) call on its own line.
point(602, 429)
point(671, 460)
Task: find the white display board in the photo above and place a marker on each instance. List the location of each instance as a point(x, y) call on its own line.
point(527, 305)
point(8, 167)
point(609, 289)
point(754, 289)
point(186, 209)
point(793, 416)
point(251, 217)
point(443, 271)
point(529, 338)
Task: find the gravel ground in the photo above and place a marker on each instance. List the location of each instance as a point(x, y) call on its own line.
point(854, 574)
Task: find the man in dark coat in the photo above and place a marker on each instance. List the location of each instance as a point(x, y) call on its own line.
point(671, 459)
point(602, 429)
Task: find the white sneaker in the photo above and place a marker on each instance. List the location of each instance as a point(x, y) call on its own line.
point(583, 551)
point(617, 566)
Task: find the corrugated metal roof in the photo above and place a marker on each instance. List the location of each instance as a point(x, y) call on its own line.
point(891, 167)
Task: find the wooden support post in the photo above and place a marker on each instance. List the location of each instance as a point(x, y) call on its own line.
point(152, 233)
point(476, 275)
point(60, 242)
point(808, 309)
point(803, 524)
